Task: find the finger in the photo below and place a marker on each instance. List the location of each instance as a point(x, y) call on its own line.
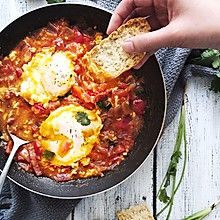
point(143, 61)
point(125, 8)
point(137, 12)
point(121, 12)
point(164, 37)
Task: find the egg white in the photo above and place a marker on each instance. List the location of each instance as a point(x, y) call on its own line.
point(47, 76)
point(61, 125)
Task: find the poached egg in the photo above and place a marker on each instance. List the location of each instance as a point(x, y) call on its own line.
point(69, 139)
point(47, 76)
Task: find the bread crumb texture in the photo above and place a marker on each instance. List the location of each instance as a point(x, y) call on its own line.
point(138, 212)
point(108, 60)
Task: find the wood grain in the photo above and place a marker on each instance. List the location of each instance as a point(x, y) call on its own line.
point(201, 183)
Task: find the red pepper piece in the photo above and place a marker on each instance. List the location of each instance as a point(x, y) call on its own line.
point(37, 147)
point(123, 123)
point(18, 72)
point(79, 38)
point(138, 105)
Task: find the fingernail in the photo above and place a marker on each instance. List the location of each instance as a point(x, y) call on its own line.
point(128, 46)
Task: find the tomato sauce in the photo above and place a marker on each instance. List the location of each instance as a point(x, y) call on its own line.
point(121, 106)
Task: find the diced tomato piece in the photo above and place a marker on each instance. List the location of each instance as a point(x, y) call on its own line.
point(65, 147)
point(18, 72)
point(123, 123)
point(78, 38)
point(77, 91)
point(38, 109)
point(91, 93)
point(138, 105)
point(77, 69)
point(37, 147)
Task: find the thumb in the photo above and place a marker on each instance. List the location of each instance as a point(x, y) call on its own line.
point(164, 37)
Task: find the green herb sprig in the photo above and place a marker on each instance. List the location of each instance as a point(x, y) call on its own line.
point(210, 58)
point(202, 213)
point(48, 155)
point(172, 168)
point(82, 118)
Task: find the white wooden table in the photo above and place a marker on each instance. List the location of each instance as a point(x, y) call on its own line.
point(201, 183)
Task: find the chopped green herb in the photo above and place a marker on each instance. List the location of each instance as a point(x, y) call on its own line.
point(202, 213)
point(163, 197)
point(82, 118)
point(55, 1)
point(111, 143)
point(209, 57)
point(48, 155)
point(104, 105)
point(172, 169)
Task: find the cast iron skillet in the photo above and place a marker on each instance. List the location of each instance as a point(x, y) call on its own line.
point(154, 116)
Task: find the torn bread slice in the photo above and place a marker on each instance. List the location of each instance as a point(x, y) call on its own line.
point(138, 212)
point(108, 60)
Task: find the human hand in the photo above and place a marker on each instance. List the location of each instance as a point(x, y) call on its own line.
point(175, 23)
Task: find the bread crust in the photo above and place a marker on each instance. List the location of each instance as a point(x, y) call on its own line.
point(138, 212)
point(108, 60)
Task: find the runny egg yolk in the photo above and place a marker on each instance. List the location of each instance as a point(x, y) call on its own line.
point(66, 137)
point(47, 76)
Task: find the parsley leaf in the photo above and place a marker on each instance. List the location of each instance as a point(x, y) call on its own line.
point(82, 118)
point(209, 57)
point(104, 105)
point(48, 155)
point(55, 1)
point(163, 197)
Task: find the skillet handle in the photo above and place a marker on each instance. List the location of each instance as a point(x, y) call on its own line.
point(7, 166)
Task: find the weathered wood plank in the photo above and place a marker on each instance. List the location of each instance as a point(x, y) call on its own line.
point(201, 184)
